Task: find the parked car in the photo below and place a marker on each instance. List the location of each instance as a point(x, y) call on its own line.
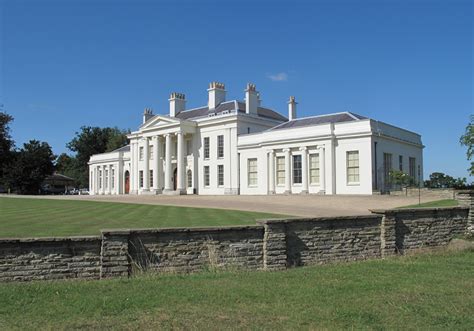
point(83, 191)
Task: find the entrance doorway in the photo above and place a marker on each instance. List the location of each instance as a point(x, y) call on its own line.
point(127, 182)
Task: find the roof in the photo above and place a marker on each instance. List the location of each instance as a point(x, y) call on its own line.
point(57, 176)
point(229, 106)
point(122, 149)
point(321, 119)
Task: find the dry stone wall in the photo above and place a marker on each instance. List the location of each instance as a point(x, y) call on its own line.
point(270, 245)
point(49, 258)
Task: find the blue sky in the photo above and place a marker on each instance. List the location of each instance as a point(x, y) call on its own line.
point(68, 63)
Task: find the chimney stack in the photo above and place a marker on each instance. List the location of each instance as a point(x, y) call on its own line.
point(147, 114)
point(292, 108)
point(216, 94)
point(251, 99)
point(177, 103)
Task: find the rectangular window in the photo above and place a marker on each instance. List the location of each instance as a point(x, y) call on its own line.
point(189, 147)
point(113, 177)
point(297, 171)
point(106, 178)
point(190, 179)
point(151, 178)
point(352, 166)
point(150, 152)
point(220, 146)
point(314, 168)
point(280, 170)
point(400, 162)
point(140, 176)
point(206, 147)
point(220, 175)
point(252, 172)
point(206, 176)
point(387, 168)
point(100, 179)
point(412, 169)
point(141, 153)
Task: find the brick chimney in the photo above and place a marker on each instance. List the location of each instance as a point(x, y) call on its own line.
point(177, 103)
point(147, 114)
point(216, 94)
point(251, 99)
point(292, 108)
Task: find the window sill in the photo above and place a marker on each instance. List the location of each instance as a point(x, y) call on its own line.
point(353, 184)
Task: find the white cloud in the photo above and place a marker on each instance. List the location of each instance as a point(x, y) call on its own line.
point(280, 77)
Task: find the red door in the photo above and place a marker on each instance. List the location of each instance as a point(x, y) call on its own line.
point(127, 182)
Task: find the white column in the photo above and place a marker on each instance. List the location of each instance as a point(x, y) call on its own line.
point(304, 170)
point(103, 179)
point(109, 184)
point(146, 167)
point(287, 171)
point(271, 172)
point(156, 160)
point(136, 169)
point(322, 170)
point(180, 160)
point(132, 167)
point(168, 163)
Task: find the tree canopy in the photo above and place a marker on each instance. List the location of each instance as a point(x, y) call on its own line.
point(30, 166)
point(87, 142)
point(441, 180)
point(6, 142)
point(467, 139)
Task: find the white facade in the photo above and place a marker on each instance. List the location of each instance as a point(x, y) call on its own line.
point(234, 147)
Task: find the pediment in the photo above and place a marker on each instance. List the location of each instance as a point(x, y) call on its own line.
point(158, 121)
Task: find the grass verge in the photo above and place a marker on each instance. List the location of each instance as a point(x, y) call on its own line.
point(43, 217)
point(427, 291)
point(435, 204)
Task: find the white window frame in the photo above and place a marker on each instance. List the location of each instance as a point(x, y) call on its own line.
point(207, 176)
point(314, 169)
point(150, 177)
point(220, 175)
point(207, 148)
point(294, 176)
point(140, 178)
point(220, 146)
point(252, 172)
point(280, 171)
point(353, 163)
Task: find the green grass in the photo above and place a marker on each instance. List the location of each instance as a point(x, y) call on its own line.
point(434, 291)
point(42, 217)
point(435, 204)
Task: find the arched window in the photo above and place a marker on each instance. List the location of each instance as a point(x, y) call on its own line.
point(190, 179)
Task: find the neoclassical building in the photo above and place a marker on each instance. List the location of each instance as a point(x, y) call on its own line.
point(241, 147)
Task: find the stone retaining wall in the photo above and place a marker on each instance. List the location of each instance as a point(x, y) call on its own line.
point(270, 245)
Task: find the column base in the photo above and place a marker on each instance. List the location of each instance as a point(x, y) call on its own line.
point(271, 192)
point(304, 192)
point(287, 192)
point(173, 192)
point(133, 192)
point(322, 192)
point(231, 191)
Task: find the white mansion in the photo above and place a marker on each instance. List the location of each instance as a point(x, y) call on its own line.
point(240, 147)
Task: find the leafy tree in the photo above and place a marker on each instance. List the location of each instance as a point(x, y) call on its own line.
point(467, 139)
point(441, 180)
point(67, 165)
point(400, 178)
point(90, 141)
point(30, 166)
point(6, 143)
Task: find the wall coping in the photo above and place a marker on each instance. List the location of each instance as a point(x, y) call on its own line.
point(50, 239)
point(317, 219)
point(181, 229)
point(417, 210)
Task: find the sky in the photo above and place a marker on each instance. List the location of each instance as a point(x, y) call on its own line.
point(65, 64)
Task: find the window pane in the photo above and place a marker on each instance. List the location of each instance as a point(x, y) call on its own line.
point(297, 171)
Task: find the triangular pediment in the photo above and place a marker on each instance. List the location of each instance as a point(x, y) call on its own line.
point(158, 121)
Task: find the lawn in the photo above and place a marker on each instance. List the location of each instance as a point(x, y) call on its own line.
point(435, 204)
point(427, 291)
point(21, 217)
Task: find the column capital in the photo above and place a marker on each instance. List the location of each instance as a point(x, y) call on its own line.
point(178, 133)
point(270, 151)
point(320, 147)
point(304, 148)
point(286, 150)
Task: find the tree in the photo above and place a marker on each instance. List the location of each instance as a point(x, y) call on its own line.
point(467, 139)
point(67, 165)
point(90, 141)
point(441, 180)
point(30, 166)
point(6, 143)
point(400, 178)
